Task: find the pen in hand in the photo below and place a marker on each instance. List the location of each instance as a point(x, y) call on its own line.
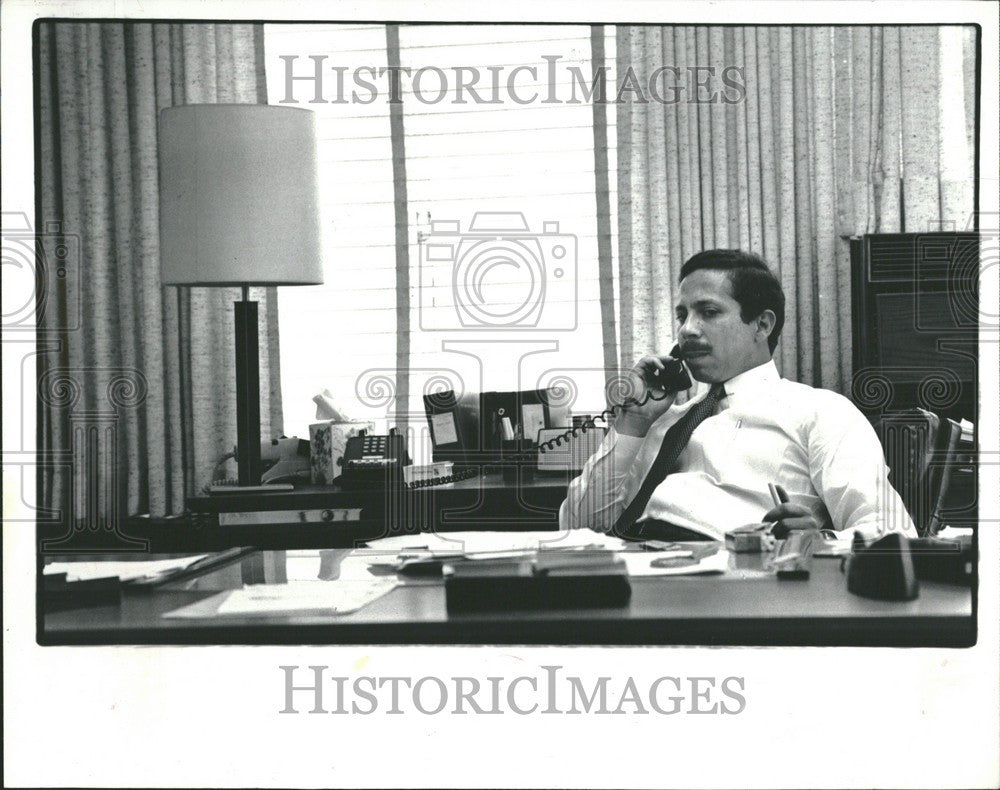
point(780, 497)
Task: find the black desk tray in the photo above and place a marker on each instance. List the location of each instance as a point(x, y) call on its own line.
point(522, 586)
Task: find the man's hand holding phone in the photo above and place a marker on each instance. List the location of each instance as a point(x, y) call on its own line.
point(655, 381)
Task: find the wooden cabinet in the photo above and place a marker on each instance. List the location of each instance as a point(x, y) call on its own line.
point(915, 300)
point(916, 323)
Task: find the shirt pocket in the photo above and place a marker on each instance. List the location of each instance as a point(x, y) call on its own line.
point(740, 452)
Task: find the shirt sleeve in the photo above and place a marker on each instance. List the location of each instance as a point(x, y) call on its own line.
point(595, 499)
point(848, 470)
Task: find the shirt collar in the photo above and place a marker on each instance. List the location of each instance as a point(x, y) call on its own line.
point(755, 377)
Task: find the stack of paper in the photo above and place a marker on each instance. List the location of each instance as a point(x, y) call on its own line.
point(492, 542)
point(125, 570)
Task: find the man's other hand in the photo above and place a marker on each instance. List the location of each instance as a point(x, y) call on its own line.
point(791, 516)
point(635, 420)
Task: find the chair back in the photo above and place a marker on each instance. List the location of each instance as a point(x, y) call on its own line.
point(920, 449)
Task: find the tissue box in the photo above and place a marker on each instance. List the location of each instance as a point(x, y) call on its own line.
point(327, 441)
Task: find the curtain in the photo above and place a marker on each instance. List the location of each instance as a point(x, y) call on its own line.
point(841, 131)
point(136, 381)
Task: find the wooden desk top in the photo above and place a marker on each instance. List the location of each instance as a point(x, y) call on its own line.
point(713, 610)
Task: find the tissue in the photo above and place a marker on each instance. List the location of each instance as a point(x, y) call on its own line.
point(326, 409)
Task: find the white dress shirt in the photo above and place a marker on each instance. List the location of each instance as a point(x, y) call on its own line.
point(813, 442)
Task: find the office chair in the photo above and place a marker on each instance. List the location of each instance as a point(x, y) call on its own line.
point(921, 449)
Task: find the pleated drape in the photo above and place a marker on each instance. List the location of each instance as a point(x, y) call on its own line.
point(841, 131)
point(137, 381)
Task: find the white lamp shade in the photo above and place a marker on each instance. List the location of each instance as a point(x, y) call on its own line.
point(238, 196)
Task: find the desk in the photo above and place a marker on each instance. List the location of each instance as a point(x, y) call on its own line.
point(708, 610)
point(477, 504)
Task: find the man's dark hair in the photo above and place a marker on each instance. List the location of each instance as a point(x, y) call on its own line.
point(752, 282)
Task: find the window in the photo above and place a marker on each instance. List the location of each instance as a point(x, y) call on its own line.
point(329, 334)
point(501, 216)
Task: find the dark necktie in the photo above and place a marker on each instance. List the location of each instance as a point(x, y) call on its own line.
point(674, 441)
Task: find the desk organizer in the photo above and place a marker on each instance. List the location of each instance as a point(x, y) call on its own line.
point(525, 585)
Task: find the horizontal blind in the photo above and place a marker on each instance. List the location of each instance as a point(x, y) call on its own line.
point(535, 159)
point(331, 335)
point(523, 171)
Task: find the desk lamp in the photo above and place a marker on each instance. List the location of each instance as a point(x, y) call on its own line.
point(239, 207)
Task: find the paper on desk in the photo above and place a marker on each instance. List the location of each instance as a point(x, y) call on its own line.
point(834, 547)
point(123, 569)
point(450, 542)
point(341, 597)
point(329, 564)
point(952, 533)
point(640, 563)
point(300, 597)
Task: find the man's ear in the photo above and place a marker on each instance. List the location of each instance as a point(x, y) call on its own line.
point(765, 323)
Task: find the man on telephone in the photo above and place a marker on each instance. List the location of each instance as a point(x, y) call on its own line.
point(701, 468)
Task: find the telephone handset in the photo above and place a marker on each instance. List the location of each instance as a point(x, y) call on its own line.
point(371, 461)
point(673, 378)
